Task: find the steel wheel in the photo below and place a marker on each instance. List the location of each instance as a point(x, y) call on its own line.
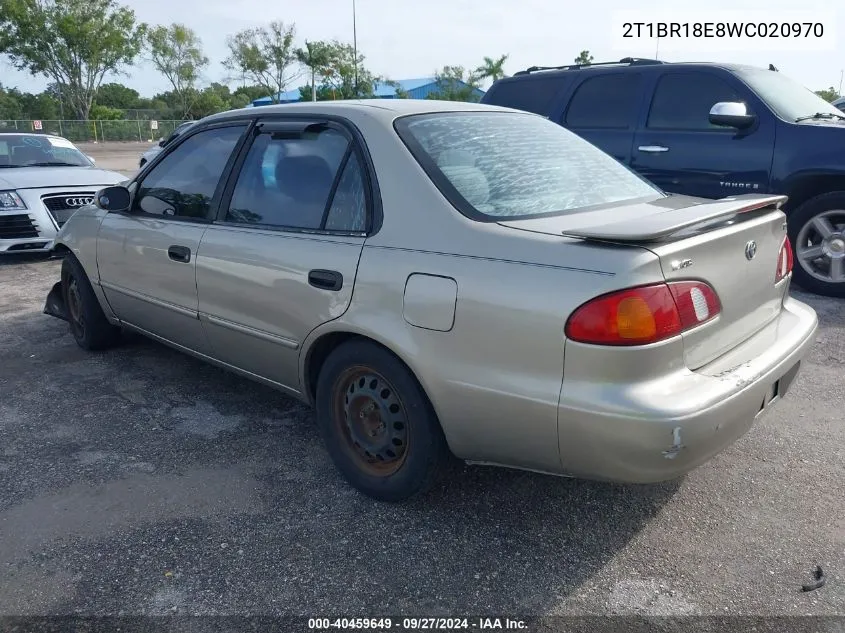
point(820, 246)
point(372, 421)
point(74, 308)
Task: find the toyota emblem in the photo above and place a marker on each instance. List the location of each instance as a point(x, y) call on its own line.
point(750, 250)
point(78, 202)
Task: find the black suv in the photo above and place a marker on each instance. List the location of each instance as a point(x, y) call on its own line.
point(710, 130)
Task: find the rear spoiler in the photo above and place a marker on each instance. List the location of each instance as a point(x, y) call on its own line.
point(660, 226)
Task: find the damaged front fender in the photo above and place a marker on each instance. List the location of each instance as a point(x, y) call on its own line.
point(55, 305)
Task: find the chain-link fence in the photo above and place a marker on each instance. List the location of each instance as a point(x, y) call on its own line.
point(95, 131)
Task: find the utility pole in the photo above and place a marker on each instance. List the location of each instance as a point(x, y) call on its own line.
point(355, 46)
point(841, 74)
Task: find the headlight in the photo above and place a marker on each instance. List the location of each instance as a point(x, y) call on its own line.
point(11, 201)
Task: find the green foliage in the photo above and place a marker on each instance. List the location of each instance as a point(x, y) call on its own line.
point(584, 58)
point(828, 95)
point(455, 83)
point(72, 42)
point(317, 58)
point(250, 92)
point(105, 113)
point(176, 52)
point(493, 69)
point(113, 95)
point(266, 56)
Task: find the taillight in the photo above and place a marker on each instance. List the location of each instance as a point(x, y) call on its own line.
point(643, 315)
point(785, 260)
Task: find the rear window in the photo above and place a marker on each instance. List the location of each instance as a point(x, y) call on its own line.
point(493, 165)
point(534, 94)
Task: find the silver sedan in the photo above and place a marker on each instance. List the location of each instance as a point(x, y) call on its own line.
point(444, 278)
point(44, 179)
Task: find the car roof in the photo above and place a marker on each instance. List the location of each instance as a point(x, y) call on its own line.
point(33, 134)
point(615, 67)
point(387, 109)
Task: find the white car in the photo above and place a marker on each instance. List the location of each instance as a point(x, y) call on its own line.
point(44, 179)
point(155, 150)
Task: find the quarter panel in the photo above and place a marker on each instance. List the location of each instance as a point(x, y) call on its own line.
point(494, 379)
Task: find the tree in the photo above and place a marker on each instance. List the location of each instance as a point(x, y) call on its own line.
point(337, 78)
point(176, 52)
point(317, 58)
point(266, 56)
point(113, 95)
point(584, 58)
point(455, 83)
point(493, 69)
point(828, 95)
point(72, 42)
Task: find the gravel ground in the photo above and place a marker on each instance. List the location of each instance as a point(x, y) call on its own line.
point(141, 481)
point(120, 157)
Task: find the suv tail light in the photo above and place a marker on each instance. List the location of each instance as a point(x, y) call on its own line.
point(643, 315)
point(785, 260)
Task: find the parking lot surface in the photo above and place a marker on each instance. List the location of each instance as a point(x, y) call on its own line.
point(141, 481)
point(121, 157)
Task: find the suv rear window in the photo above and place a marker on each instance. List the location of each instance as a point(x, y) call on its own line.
point(493, 165)
point(532, 94)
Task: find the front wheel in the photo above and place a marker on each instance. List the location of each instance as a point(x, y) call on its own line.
point(377, 423)
point(88, 323)
point(817, 230)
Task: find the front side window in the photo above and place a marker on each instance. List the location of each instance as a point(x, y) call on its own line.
point(304, 181)
point(494, 165)
point(788, 98)
point(182, 185)
point(682, 101)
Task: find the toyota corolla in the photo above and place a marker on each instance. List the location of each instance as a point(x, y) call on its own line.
point(44, 179)
point(442, 278)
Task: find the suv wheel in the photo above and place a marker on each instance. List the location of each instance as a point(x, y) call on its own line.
point(817, 230)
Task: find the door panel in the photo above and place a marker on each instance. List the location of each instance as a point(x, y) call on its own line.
point(143, 285)
point(255, 299)
point(681, 152)
point(147, 256)
point(283, 257)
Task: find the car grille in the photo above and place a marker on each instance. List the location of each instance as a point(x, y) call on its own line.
point(63, 205)
point(14, 227)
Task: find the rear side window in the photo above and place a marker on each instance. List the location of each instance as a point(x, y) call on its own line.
point(494, 165)
point(310, 182)
point(533, 94)
point(682, 101)
point(606, 101)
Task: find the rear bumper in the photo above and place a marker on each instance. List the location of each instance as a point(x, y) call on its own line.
point(665, 426)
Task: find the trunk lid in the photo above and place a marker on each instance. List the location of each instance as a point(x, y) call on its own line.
point(702, 240)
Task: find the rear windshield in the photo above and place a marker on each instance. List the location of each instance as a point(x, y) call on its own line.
point(494, 165)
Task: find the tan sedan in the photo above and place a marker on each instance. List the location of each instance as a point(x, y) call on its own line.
point(445, 278)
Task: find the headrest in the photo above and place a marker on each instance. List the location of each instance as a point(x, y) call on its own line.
point(470, 182)
point(305, 176)
point(454, 158)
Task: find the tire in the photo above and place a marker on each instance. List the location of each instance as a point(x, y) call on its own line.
point(88, 324)
point(359, 385)
point(807, 223)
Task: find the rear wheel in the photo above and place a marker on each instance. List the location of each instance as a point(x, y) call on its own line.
point(817, 230)
point(378, 425)
point(88, 323)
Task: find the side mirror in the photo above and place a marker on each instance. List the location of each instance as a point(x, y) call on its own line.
point(116, 198)
point(91, 158)
point(731, 114)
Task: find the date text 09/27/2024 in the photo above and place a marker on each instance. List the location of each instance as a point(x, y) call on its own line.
point(417, 624)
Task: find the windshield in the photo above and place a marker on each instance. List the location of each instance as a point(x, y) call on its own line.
point(788, 98)
point(494, 165)
point(39, 150)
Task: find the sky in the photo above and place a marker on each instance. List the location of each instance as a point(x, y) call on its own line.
point(403, 39)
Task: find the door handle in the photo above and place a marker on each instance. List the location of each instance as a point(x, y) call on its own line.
point(326, 279)
point(179, 254)
point(653, 149)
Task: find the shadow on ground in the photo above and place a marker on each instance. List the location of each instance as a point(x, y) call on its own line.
point(143, 481)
